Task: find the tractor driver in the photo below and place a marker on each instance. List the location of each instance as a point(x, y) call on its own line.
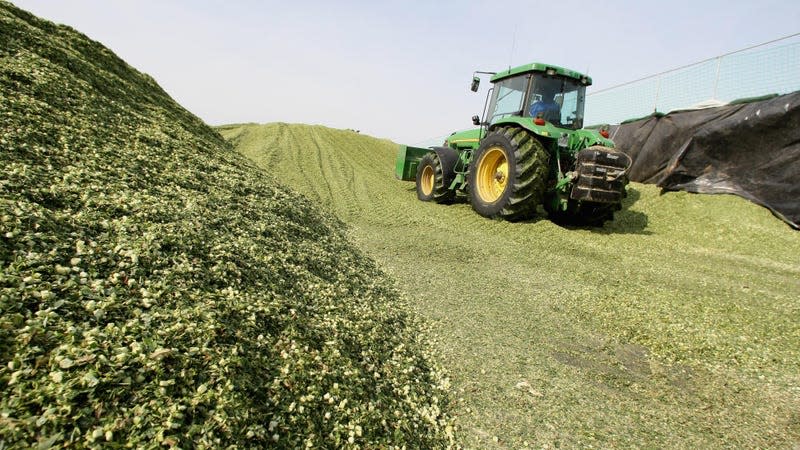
point(547, 105)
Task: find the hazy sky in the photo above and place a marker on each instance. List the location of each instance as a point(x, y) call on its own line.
point(394, 69)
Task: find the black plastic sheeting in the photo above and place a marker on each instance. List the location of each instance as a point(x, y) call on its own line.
point(749, 149)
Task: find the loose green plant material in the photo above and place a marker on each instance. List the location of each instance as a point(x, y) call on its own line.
point(157, 289)
point(675, 326)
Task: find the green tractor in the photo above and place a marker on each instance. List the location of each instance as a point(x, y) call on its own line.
point(530, 149)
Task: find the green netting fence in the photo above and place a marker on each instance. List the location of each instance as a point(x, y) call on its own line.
point(769, 68)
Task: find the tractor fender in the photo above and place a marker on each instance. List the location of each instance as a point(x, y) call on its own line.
point(448, 157)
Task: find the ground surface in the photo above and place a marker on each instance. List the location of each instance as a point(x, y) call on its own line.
point(674, 326)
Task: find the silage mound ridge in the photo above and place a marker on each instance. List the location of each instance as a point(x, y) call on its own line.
point(156, 288)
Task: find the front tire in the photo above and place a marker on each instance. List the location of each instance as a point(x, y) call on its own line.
point(430, 181)
point(507, 174)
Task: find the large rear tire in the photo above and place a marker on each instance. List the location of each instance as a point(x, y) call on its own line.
point(507, 174)
point(430, 181)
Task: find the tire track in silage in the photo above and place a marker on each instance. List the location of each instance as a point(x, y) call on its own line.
point(366, 165)
point(329, 164)
point(355, 165)
point(359, 191)
point(306, 160)
point(262, 144)
point(386, 198)
point(351, 175)
point(269, 152)
point(346, 171)
point(321, 167)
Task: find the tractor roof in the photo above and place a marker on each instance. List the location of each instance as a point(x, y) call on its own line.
point(539, 67)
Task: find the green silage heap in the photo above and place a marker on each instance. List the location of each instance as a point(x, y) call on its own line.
point(156, 288)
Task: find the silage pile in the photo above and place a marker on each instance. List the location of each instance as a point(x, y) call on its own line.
point(157, 289)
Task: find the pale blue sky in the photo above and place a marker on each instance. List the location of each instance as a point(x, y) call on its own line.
point(393, 69)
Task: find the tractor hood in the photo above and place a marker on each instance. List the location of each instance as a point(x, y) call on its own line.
point(464, 139)
point(578, 139)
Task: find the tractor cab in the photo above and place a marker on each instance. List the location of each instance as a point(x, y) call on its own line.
point(545, 94)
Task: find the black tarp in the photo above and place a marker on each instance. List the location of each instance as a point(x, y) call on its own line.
point(748, 149)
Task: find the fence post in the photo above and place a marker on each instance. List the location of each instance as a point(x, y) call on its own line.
point(658, 92)
point(716, 78)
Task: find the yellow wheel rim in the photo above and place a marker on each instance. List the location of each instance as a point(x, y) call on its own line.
point(426, 180)
point(492, 176)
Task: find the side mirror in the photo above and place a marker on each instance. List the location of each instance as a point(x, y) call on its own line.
point(475, 83)
point(476, 120)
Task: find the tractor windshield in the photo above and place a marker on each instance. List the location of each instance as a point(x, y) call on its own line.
point(558, 100)
point(508, 98)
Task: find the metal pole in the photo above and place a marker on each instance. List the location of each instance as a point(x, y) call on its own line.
point(658, 91)
point(716, 79)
